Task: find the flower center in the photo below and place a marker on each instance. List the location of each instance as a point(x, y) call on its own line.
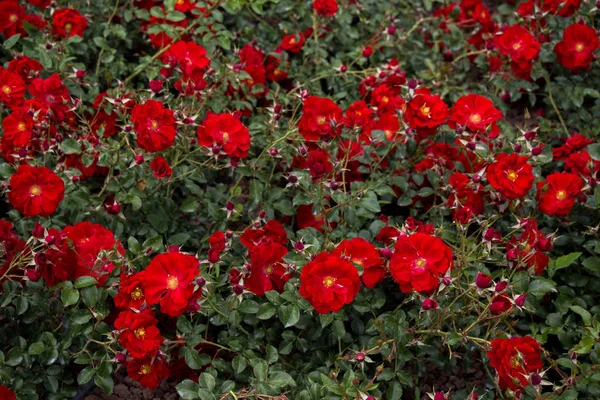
point(180, 2)
point(328, 281)
point(6, 89)
point(145, 369)
point(420, 264)
point(515, 362)
point(172, 282)
point(68, 27)
point(385, 99)
point(292, 40)
point(512, 175)
point(425, 110)
point(137, 294)
point(561, 195)
point(140, 333)
point(516, 46)
point(579, 47)
point(269, 270)
point(225, 137)
point(13, 18)
point(475, 118)
point(154, 124)
point(21, 126)
point(35, 190)
point(321, 120)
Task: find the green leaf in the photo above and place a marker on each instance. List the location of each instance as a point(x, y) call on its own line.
point(260, 370)
point(85, 375)
point(188, 390)
point(90, 296)
point(265, 311)
point(239, 364)
point(154, 243)
point(562, 262)
point(22, 305)
point(193, 359)
point(281, 379)
point(36, 348)
point(85, 281)
point(594, 150)
point(189, 205)
point(585, 315)
point(592, 263)
point(105, 383)
point(289, 315)
point(541, 286)
point(71, 146)
point(179, 239)
point(11, 41)
point(207, 381)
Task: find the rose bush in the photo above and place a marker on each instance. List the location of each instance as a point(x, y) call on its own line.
point(277, 199)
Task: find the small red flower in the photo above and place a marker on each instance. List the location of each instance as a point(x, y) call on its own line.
point(226, 132)
point(419, 261)
point(217, 241)
point(326, 8)
point(168, 280)
point(7, 394)
point(272, 232)
point(11, 18)
point(190, 57)
point(27, 68)
point(267, 271)
point(68, 22)
point(573, 144)
point(18, 128)
point(139, 334)
point(521, 47)
point(328, 282)
point(500, 304)
point(160, 167)
point(576, 50)
point(358, 115)
point(293, 43)
point(366, 256)
point(426, 111)
point(12, 88)
point(321, 117)
point(476, 113)
point(154, 125)
point(35, 191)
point(511, 175)
point(515, 359)
point(318, 164)
point(131, 292)
point(563, 8)
point(149, 372)
point(558, 194)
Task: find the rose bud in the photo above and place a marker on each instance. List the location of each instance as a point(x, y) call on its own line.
point(33, 275)
point(50, 240)
point(537, 150)
point(139, 159)
point(343, 68)
point(200, 282)
point(230, 206)
point(386, 253)
point(543, 244)
point(536, 379)
point(120, 358)
point(228, 234)
point(412, 83)
point(173, 249)
point(155, 85)
point(429, 304)
point(359, 357)
point(471, 146)
point(518, 148)
point(491, 235)
point(500, 304)
point(391, 30)
point(483, 281)
point(501, 286)
point(238, 289)
point(530, 135)
point(440, 396)
point(38, 231)
point(520, 300)
point(367, 52)
point(299, 246)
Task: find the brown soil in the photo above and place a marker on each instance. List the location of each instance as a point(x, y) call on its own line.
point(128, 389)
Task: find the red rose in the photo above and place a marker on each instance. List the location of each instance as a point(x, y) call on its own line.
point(483, 281)
point(68, 22)
point(523, 252)
point(11, 18)
point(366, 256)
point(581, 163)
point(325, 7)
point(267, 271)
point(563, 8)
point(18, 128)
point(318, 164)
point(576, 50)
point(321, 117)
point(7, 394)
point(168, 280)
point(419, 261)
point(500, 304)
point(387, 235)
point(511, 175)
point(154, 125)
point(358, 115)
point(386, 99)
point(12, 88)
point(293, 43)
point(131, 293)
point(160, 167)
point(328, 282)
point(226, 132)
point(466, 194)
point(189, 57)
point(515, 359)
point(522, 48)
point(54, 95)
point(35, 191)
point(272, 232)
point(306, 218)
point(426, 111)
point(40, 3)
point(27, 68)
point(573, 144)
point(558, 194)
point(217, 241)
point(476, 113)
point(149, 372)
point(139, 334)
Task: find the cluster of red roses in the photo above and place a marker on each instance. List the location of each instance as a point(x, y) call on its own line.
point(66, 22)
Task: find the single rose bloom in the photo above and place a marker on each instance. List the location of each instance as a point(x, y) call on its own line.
point(35, 191)
point(426, 111)
point(293, 43)
point(267, 270)
point(563, 8)
point(328, 282)
point(160, 167)
point(521, 47)
point(11, 18)
point(500, 304)
point(226, 132)
point(475, 113)
point(558, 193)
point(12, 88)
point(154, 125)
point(131, 292)
point(271, 232)
point(169, 280)
point(318, 164)
point(326, 8)
point(576, 50)
point(358, 115)
point(419, 261)
point(515, 359)
point(366, 256)
point(147, 371)
point(67, 22)
point(511, 175)
point(320, 117)
point(27, 68)
point(216, 241)
point(138, 333)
